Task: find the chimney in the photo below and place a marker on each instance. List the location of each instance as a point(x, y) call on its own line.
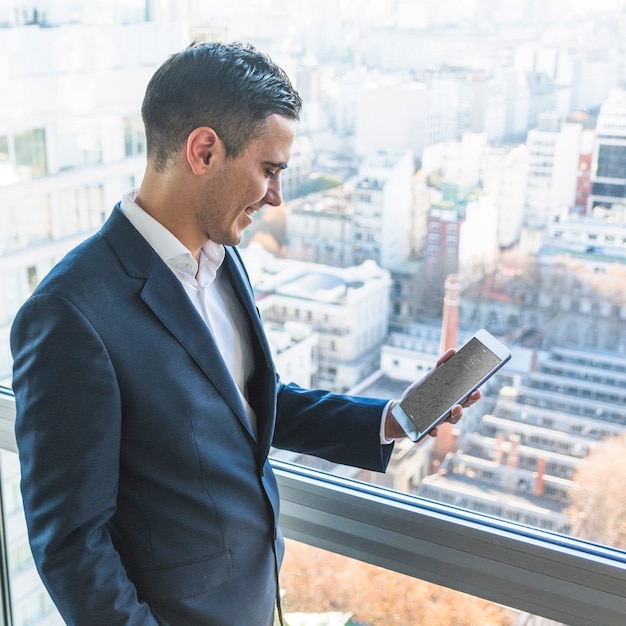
point(534, 363)
point(513, 458)
point(450, 320)
point(498, 452)
point(446, 441)
point(539, 482)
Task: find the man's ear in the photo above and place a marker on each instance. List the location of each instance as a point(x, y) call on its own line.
point(203, 147)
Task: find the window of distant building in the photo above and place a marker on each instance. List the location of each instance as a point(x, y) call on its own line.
point(79, 143)
point(29, 149)
point(30, 153)
point(5, 164)
point(134, 135)
point(25, 222)
point(612, 161)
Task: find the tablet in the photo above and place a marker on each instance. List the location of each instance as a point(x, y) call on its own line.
point(450, 384)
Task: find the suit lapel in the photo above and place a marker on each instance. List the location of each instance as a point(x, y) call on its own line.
point(262, 385)
point(166, 298)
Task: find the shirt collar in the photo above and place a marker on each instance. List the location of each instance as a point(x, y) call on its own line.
point(166, 245)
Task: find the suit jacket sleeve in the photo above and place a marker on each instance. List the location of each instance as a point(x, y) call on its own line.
point(342, 429)
point(68, 432)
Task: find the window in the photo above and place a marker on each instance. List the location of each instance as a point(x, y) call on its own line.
point(6, 171)
point(22, 156)
point(79, 143)
point(465, 134)
point(30, 153)
point(134, 137)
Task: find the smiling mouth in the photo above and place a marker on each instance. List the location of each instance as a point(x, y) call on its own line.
point(251, 211)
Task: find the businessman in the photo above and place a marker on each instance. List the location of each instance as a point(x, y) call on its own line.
point(146, 396)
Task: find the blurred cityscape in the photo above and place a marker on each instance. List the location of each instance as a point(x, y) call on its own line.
point(458, 165)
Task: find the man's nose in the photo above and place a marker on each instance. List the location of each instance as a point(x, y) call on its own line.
point(274, 195)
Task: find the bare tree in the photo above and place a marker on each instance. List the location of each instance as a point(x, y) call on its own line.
point(598, 500)
point(316, 581)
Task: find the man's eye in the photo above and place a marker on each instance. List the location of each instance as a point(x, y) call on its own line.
point(270, 173)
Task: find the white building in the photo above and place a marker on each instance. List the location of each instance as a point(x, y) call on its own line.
point(382, 101)
point(608, 165)
point(382, 205)
point(66, 158)
point(504, 174)
point(294, 352)
point(458, 161)
point(597, 241)
point(320, 229)
point(553, 157)
point(348, 308)
point(478, 238)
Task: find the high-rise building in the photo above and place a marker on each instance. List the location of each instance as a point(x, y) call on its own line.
point(382, 202)
point(382, 101)
point(553, 158)
point(608, 167)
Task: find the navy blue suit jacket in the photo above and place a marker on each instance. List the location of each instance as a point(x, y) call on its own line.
point(148, 498)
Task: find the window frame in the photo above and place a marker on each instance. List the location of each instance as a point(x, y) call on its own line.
point(546, 574)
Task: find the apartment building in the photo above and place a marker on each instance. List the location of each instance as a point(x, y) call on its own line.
point(382, 207)
point(595, 241)
point(66, 158)
point(608, 169)
point(320, 229)
point(348, 308)
point(553, 159)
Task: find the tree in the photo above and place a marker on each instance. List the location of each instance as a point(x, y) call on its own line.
point(316, 581)
point(598, 500)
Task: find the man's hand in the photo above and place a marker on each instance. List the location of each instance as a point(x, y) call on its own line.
point(393, 430)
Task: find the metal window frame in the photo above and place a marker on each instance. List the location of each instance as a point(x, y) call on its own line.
point(550, 575)
point(554, 576)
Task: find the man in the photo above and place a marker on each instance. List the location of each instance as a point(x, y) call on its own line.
point(146, 396)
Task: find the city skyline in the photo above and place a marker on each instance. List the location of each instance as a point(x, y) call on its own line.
point(495, 110)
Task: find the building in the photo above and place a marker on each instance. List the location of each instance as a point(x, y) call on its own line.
point(382, 205)
point(381, 101)
point(444, 226)
point(66, 158)
point(348, 308)
point(608, 165)
point(553, 160)
point(370, 220)
point(583, 183)
point(320, 229)
point(504, 176)
point(596, 241)
point(294, 352)
point(565, 302)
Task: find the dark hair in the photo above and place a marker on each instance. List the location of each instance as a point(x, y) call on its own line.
point(233, 88)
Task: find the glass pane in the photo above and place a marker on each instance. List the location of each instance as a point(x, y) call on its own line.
point(454, 140)
point(320, 587)
point(31, 603)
